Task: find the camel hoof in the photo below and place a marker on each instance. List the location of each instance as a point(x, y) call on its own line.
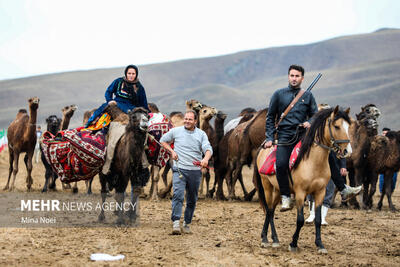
point(5, 188)
point(276, 245)
point(75, 190)
point(120, 221)
point(393, 209)
point(322, 251)
point(265, 244)
point(292, 249)
point(101, 218)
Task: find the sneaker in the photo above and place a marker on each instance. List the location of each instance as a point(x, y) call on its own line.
point(176, 228)
point(186, 228)
point(287, 203)
point(350, 192)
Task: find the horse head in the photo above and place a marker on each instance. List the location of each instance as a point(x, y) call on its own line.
point(53, 124)
point(139, 118)
point(336, 132)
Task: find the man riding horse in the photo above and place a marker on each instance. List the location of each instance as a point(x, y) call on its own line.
point(289, 130)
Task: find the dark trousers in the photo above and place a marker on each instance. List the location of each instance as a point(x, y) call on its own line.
point(282, 167)
point(338, 180)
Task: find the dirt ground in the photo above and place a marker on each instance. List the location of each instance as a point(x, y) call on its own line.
point(224, 234)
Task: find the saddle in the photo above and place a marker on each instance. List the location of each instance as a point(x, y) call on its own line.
point(156, 154)
point(269, 165)
point(75, 154)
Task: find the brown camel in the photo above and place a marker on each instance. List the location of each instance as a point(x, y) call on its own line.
point(220, 163)
point(21, 135)
point(54, 125)
point(249, 136)
point(205, 115)
point(127, 164)
point(87, 115)
point(362, 131)
point(383, 157)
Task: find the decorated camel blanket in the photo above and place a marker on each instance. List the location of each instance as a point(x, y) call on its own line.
point(75, 154)
point(156, 154)
point(269, 165)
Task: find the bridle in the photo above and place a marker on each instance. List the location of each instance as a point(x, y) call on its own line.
point(334, 143)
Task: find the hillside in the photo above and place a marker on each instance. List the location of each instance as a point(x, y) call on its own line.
point(356, 69)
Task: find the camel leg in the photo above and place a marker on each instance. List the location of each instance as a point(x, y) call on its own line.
point(88, 184)
point(75, 188)
point(165, 174)
point(388, 181)
point(373, 178)
point(381, 197)
point(15, 170)
point(11, 168)
point(219, 178)
point(154, 182)
point(119, 198)
point(208, 177)
point(28, 163)
point(228, 180)
point(134, 212)
point(365, 194)
point(240, 178)
point(103, 183)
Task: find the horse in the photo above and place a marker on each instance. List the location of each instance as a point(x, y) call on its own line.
point(310, 174)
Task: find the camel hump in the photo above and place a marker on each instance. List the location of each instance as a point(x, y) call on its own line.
point(22, 110)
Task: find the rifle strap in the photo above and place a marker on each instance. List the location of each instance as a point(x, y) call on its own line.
point(291, 105)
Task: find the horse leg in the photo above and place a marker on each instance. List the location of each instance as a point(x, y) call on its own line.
point(272, 199)
point(318, 241)
point(299, 224)
point(103, 191)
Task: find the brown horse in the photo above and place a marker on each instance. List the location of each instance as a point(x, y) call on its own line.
point(310, 173)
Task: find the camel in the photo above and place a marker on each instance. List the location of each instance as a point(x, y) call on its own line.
point(249, 136)
point(221, 164)
point(205, 115)
point(311, 173)
point(127, 164)
point(87, 115)
point(21, 135)
point(383, 157)
point(246, 112)
point(361, 131)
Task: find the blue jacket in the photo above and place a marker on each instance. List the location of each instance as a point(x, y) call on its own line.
point(126, 100)
point(302, 111)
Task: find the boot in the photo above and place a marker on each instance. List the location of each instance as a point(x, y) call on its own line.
point(311, 218)
point(324, 212)
point(350, 192)
point(287, 203)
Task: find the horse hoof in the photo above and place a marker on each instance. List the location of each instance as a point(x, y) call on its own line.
point(276, 245)
point(265, 244)
point(322, 251)
point(292, 249)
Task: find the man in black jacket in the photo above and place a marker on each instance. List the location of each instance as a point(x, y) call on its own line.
point(290, 130)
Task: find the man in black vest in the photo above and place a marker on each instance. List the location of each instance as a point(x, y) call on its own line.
point(290, 130)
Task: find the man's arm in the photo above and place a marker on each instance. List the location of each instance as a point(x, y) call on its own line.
point(271, 116)
point(204, 161)
point(170, 150)
point(166, 140)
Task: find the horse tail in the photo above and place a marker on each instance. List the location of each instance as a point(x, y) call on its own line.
point(258, 184)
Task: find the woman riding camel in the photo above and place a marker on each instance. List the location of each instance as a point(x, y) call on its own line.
point(129, 93)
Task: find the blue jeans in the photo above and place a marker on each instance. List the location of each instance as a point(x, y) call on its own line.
point(190, 181)
point(381, 179)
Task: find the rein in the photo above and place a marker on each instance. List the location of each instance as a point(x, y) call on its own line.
point(334, 143)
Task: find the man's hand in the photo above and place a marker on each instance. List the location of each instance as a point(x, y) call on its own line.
point(204, 162)
point(343, 172)
point(306, 124)
point(174, 155)
point(267, 144)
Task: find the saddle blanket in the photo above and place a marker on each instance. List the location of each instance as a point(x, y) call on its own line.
point(75, 154)
point(269, 165)
point(156, 154)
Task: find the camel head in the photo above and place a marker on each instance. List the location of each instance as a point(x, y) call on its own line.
point(206, 113)
point(53, 124)
point(68, 111)
point(220, 115)
point(193, 105)
point(323, 106)
point(247, 111)
point(369, 111)
point(34, 103)
point(139, 118)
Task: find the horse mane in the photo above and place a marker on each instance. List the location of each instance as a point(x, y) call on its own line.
point(316, 131)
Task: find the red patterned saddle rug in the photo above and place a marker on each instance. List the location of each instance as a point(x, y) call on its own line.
point(269, 165)
point(156, 154)
point(75, 154)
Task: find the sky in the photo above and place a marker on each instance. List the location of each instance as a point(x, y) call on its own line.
point(51, 36)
